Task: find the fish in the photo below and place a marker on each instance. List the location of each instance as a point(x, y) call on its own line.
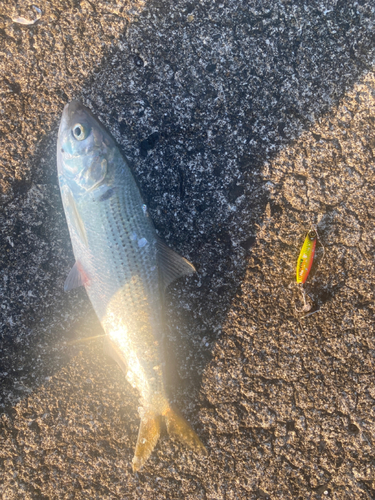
point(124, 266)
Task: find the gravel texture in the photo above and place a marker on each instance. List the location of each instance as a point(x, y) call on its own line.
point(246, 123)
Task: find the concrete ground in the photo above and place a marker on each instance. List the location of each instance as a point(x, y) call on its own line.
point(246, 122)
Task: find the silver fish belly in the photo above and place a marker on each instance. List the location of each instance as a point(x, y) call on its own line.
point(123, 265)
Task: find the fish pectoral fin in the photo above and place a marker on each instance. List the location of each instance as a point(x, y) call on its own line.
point(76, 278)
point(180, 428)
point(148, 435)
point(171, 264)
point(85, 339)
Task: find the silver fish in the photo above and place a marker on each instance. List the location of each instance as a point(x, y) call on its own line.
point(123, 265)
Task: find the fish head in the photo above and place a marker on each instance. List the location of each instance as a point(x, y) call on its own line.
point(84, 152)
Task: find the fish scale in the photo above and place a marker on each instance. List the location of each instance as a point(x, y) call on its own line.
point(133, 288)
point(123, 265)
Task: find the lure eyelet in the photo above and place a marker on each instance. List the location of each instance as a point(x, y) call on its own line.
point(312, 235)
point(80, 132)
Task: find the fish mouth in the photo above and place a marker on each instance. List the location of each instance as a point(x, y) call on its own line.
point(74, 112)
point(71, 110)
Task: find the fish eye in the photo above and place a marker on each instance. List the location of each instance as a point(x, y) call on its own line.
point(80, 132)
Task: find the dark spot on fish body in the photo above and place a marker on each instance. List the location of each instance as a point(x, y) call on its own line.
point(108, 194)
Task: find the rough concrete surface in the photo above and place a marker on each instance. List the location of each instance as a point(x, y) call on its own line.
point(246, 122)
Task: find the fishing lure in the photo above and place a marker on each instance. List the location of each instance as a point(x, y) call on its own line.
point(306, 257)
point(304, 264)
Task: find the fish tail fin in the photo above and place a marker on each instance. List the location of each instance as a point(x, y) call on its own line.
point(148, 435)
point(179, 428)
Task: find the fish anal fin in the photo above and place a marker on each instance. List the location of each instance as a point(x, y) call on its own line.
point(171, 264)
point(180, 429)
point(111, 349)
point(149, 433)
point(76, 278)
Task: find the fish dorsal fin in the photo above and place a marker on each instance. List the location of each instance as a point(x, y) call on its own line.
point(171, 264)
point(76, 278)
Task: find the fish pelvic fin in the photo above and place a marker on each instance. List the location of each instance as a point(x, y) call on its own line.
point(180, 429)
point(149, 433)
